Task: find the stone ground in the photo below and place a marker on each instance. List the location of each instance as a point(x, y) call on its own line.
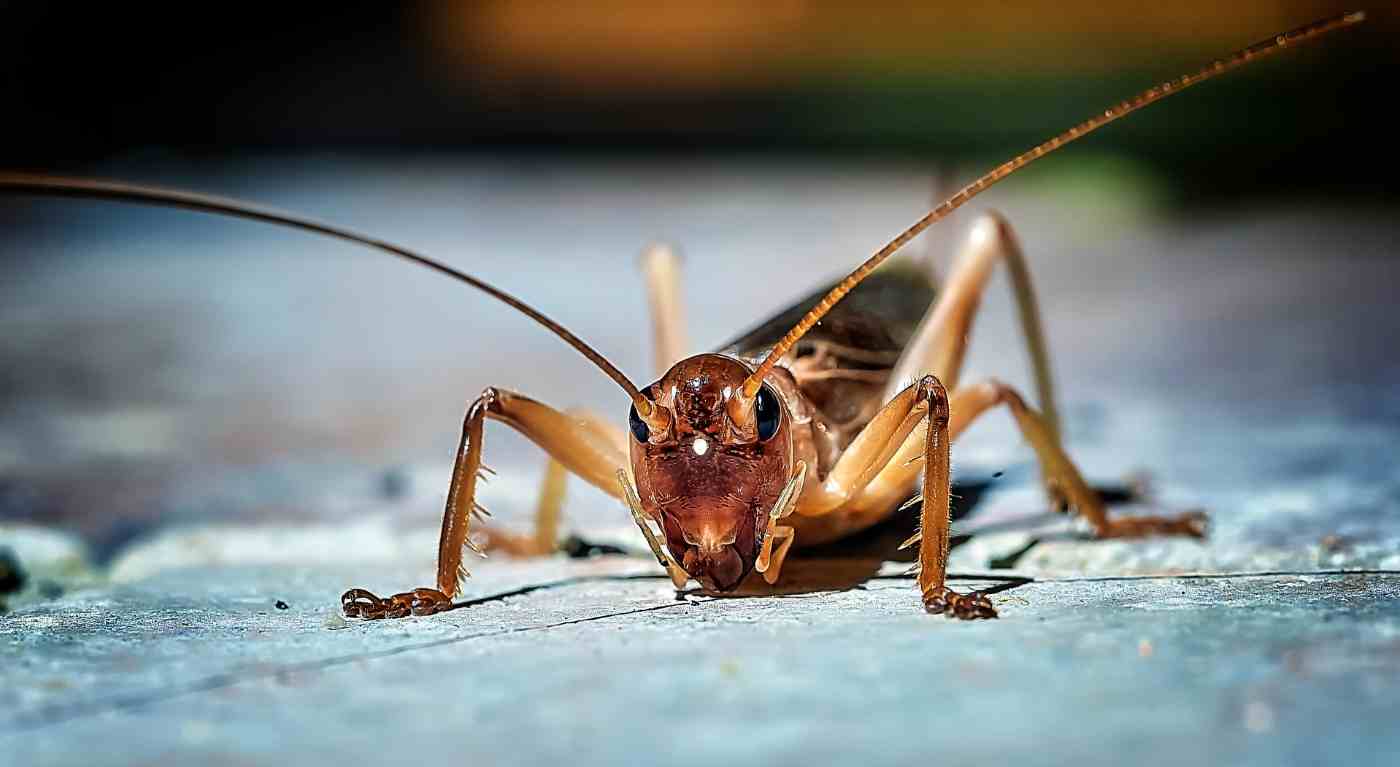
point(199, 420)
point(201, 667)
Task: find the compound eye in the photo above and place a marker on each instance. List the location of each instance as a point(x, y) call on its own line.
point(768, 415)
point(640, 430)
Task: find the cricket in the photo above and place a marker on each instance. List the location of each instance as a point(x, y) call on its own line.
point(818, 423)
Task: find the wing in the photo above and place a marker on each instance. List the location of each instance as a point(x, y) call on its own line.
point(870, 326)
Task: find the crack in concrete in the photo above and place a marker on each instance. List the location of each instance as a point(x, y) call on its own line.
point(1022, 580)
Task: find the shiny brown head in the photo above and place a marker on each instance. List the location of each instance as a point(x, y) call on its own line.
point(708, 481)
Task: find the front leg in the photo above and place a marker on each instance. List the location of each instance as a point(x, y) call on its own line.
point(935, 517)
point(877, 471)
point(580, 445)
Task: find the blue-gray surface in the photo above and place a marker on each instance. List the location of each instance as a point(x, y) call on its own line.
point(233, 415)
point(201, 667)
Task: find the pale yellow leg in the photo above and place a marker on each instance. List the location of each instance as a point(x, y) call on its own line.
point(548, 511)
point(661, 267)
point(775, 549)
point(892, 484)
point(770, 562)
point(679, 576)
point(940, 343)
point(544, 540)
point(1062, 479)
point(864, 458)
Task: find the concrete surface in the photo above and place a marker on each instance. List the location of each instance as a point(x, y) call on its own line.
point(199, 419)
point(201, 667)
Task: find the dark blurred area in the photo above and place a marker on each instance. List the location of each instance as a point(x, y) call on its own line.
point(915, 82)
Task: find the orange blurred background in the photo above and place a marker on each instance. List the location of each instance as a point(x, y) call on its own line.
point(637, 47)
point(912, 82)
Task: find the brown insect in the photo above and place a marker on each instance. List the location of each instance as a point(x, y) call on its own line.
point(817, 424)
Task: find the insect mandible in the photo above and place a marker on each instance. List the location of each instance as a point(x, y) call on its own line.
point(731, 458)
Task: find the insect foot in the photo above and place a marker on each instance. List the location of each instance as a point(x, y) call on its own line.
point(1192, 524)
point(968, 607)
point(359, 603)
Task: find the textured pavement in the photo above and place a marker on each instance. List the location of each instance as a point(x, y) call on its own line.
point(202, 667)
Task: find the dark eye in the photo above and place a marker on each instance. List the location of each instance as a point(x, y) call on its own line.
point(769, 414)
point(639, 427)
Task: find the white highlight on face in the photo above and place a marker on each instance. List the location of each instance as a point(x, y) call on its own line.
point(700, 446)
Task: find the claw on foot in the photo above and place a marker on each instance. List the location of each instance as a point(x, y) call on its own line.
point(359, 603)
point(1192, 524)
point(970, 606)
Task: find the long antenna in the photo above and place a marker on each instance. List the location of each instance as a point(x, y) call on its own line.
point(1155, 93)
point(25, 183)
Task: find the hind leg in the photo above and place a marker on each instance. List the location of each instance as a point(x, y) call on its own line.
point(661, 268)
point(928, 422)
point(940, 343)
point(902, 466)
point(1061, 476)
point(940, 346)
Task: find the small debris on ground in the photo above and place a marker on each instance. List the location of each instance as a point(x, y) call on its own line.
point(280, 605)
point(334, 622)
point(394, 484)
point(12, 576)
point(1258, 716)
point(578, 548)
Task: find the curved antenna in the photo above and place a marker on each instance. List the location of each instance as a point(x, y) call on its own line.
point(25, 183)
point(1122, 108)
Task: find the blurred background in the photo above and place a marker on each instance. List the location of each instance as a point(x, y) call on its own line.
point(1224, 257)
point(902, 82)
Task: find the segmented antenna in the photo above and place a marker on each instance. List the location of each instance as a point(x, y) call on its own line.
point(23, 183)
point(1122, 108)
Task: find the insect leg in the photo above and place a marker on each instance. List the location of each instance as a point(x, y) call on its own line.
point(775, 550)
point(940, 343)
point(1061, 476)
point(544, 539)
point(907, 436)
point(580, 446)
point(862, 460)
point(891, 483)
point(934, 519)
point(943, 183)
point(770, 562)
point(679, 576)
point(661, 267)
